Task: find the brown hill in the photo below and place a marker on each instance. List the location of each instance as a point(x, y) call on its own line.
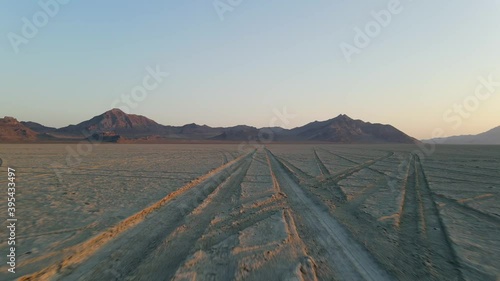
point(12, 130)
point(238, 133)
point(118, 122)
point(134, 126)
point(343, 129)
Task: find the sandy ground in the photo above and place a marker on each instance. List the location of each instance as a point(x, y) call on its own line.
point(287, 212)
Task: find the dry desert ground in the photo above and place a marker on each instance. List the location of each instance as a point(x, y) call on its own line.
point(280, 212)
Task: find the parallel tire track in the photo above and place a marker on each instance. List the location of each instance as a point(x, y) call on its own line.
point(174, 250)
point(324, 171)
point(77, 254)
point(297, 171)
point(348, 259)
point(422, 232)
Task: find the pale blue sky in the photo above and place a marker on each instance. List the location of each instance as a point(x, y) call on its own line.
point(263, 55)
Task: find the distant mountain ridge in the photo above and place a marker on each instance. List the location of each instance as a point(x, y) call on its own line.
point(117, 126)
point(38, 127)
point(489, 137)
point(344, 129)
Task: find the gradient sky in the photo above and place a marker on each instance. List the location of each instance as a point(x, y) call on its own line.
point(264, 55)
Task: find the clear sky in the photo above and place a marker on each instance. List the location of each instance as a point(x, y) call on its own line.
point(236, 66)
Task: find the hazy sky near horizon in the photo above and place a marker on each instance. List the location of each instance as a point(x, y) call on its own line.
point(263, 56)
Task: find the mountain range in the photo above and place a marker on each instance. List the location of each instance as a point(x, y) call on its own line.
point(489, 137)
point(117, 126)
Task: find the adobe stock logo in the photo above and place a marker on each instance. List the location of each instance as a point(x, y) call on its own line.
point(224, 6)
point(30, 27)
point(484, 90)
point(372, 29)
point(150, 82)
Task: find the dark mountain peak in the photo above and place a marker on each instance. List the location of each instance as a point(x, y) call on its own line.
point(239, 132)
point(115, 111)
point(120, 119)
point(242, 127)
point(342, 117)
point(344, 129)
point(9, 120)
point(114, 120)
point(192, 126)
point(196, 131)
point(340, 120)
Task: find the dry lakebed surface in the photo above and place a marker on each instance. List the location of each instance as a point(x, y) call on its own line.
point(279, 212)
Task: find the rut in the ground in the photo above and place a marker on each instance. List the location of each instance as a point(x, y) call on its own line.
point(126, 244)
point(321, 166)
point(425, 247)
point(174, 249)
point(328, 241)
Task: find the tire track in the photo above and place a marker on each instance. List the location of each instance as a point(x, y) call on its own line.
point(218, 253)
point(174, 250)
point(466, 209)
point(77, 254)
point(224, 157)
point(480, 235)
point(354, 203)
point(297, 171)
point(350, 171)
point(51, 170)
point(239, 224)
point(357, 201)
point(453, 180)
point(322, 168)
point(348, 259)
point(332, 187)
point(422, 232)
point(92, 225)
point(307, 268)
point(358, 163)
point(465, 172)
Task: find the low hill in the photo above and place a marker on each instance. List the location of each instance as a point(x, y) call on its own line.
point(116, 121)
point(12, 130)
point(39, 128)
point(489, 137)
point(343, 129)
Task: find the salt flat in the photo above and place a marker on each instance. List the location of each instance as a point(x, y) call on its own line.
point(283, 212)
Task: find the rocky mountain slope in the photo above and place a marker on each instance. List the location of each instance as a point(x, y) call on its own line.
point(12, 130)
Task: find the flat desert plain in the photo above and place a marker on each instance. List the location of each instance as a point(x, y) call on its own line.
point(283, 212)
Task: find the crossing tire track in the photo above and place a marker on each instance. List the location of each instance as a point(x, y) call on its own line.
point(346, 258)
